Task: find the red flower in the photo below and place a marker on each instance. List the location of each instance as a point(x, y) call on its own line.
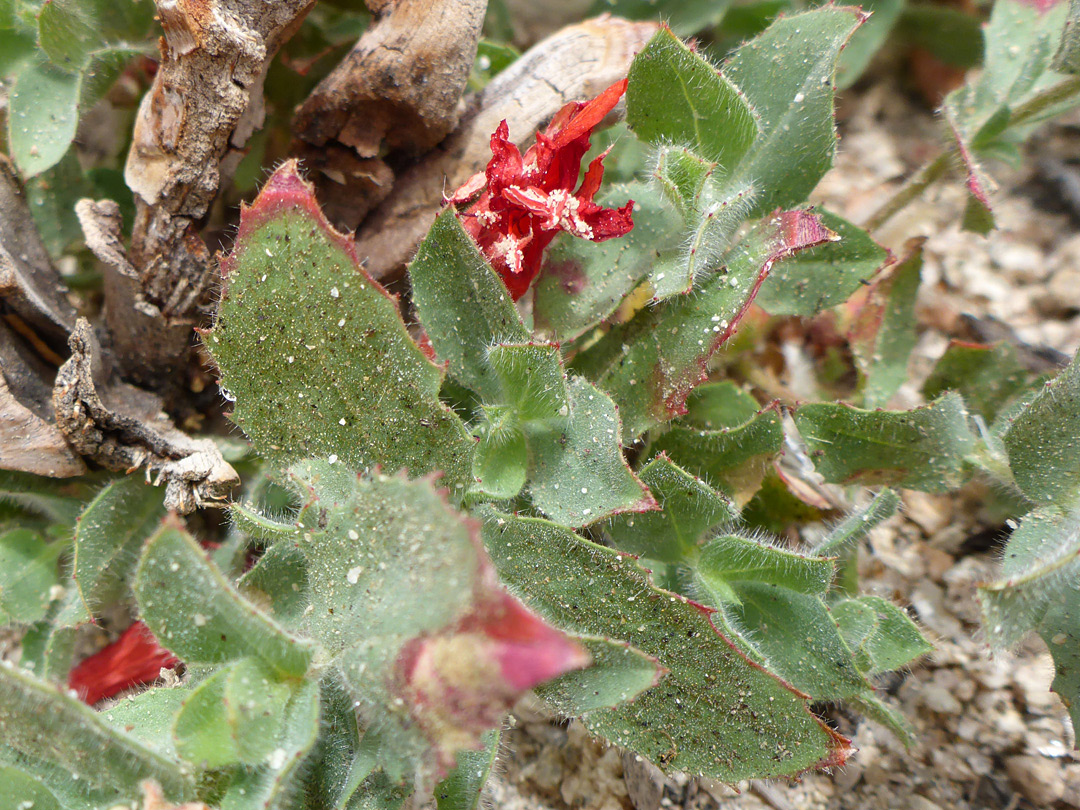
point(132, 660)
point(460, 682)
point(525, 200)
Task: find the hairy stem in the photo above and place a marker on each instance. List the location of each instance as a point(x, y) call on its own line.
point(933, 171)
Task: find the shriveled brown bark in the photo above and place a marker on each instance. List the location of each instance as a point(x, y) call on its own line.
point(574, 64)
point(398, 90)
point(29, 439)
point(35, 317)
point(206, 100)
point(122, 428)
point(401, 84)
point(30, 286)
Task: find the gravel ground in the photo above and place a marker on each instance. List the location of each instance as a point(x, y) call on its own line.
point(990, 733)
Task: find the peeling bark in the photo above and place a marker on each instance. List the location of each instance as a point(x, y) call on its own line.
point(29, 284)
point(30, 444)
point(398, 90)
point(29, 441)
point(122, 428)
point(576, 63)
point(401, 85)
point(206, 100)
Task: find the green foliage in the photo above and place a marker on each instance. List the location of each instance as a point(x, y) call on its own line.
point(464, 312)
point(688, 509)
point(786, 75)
point(884, 337)
point(106, 546)
point(1017, 86)
point(350, 640)
point(725, 438)
point(675, 97)
point(347, 381)
point(925, 448)
point(82, 48)
point(225, 627)
point(1043, 442)
point(824, 276)
point(27, 576)
point(83, 743)
point(749, 723)
point(988, 377)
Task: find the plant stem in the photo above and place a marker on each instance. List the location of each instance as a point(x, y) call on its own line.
point(922, 180)
point(935, 169)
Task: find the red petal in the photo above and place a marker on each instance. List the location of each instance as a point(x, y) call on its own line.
point(590, 184)
point(469, 189)
point(591, 114)
point(505, 167)
point(529, 650)
point(133, 659)
point(609, 223)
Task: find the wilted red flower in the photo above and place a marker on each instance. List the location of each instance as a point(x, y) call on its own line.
point(525, 200)
point(133, 659)
point(460, 682)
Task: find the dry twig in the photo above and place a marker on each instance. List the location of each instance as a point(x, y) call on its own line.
point(206, 100)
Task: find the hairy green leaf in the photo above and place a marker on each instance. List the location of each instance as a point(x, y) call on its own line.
point(577, 471)
point(224, 626)
point(41, 721)
point(531, 379)
point(109, 534)
point(1043, 441)
point(1040, 566)
point(618, 674)
point(733, 459)
point(277, 784)
point(799, 638)
point(883, 336)
point(463, 788)
point(343, 381)
point(786, 74)
point(881, 634)
point(987, 377)
point(731, 559)
point(856, 526)
point(924, 448)
point(232, 717)
point(688, 509)
point(463, 306)
point(651, 365)
point(743, 722)
point(675, 96)
point(822, 276)
point(28, 572)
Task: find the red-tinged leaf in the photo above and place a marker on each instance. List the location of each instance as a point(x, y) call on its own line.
point(134, 659)
point(656, 360)
point(315, 352)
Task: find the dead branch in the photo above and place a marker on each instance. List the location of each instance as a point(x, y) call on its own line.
point(30, 286)
point(29, 441)
point(206, 100)
point(401, 85)
point(574, 64)
point(36, 317)
point(122, 428)
point(398, 90)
